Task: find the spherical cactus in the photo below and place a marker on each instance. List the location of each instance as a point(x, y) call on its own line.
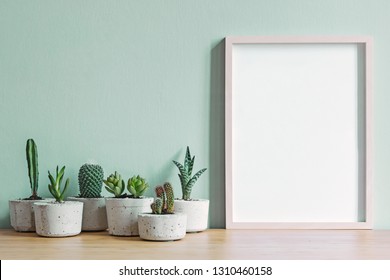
point(90, 180)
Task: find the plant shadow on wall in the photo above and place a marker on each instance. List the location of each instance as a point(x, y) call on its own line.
point(217, 136)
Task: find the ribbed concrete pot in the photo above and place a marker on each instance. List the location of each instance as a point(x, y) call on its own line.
point(165, 227)
point(94, 213)
point(54, 219)
point(122, 214)
point(197, 212)
point(22, 214)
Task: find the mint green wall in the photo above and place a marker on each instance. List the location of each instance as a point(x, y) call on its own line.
point(129, 84)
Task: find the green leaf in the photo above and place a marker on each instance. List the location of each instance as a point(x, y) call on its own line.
point(64, 190)
point(52, 181)
point(109, 190)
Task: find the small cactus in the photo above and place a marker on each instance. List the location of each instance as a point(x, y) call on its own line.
point(157, 206)
point(187, 182)
point(164, 203)
point(32, 164)
point(55, 185)
point(90, 180)
point(115, 184)
point(137, 186)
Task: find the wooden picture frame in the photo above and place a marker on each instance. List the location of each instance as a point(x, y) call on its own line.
point(298, 132)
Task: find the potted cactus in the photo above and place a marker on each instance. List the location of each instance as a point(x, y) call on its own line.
point(163, 224)
point(90, 179)
point(21, 210)
point(58, 218)
point(123, 209)
point(197, 210)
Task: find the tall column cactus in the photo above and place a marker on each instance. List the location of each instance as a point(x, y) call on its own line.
point(164, 203)
point(32, 163)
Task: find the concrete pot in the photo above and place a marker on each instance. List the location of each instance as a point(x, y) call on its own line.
point(94, 213)
point(197, 213)
point(165, 227)
point(53, 219)
point(122, 214)
point(22, 214)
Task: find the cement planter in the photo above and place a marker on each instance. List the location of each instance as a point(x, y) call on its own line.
point(165, 227)
point(122, 214)
point(94, 213)
point(197, 212)
point(22, 214)
point(53, 219)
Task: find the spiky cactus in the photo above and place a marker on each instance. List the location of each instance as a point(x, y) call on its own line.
point(187, 182)
point(115, 184)
point(90, 180)
point(165, 200)
point(32, 164)
point(55, 185)
point(137, 186)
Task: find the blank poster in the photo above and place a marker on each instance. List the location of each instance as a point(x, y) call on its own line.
point(298, 148)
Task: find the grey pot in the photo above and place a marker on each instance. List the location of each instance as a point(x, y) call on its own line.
point(22, 214)
point(165, 227)
point(197, 213)
point(122, 214)
point(94, 213)
point(53, 219)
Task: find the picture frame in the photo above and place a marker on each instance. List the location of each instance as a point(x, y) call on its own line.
point(298, 133)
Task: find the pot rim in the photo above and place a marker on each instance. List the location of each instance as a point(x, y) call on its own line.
point(85, 198)
point(127, 198)
point(57, 204)
point(161, 215)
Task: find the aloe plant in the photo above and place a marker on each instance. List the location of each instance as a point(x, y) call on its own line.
point(137, 186)
point(115, 184)
point(164, 202)
point(55, 185)
point(186, 179)
point(32, 164)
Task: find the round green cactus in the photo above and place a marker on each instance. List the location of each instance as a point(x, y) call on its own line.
point(90, 180)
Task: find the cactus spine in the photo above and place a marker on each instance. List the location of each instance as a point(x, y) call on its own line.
point(90, 180)
point(32, 163)
point(164, 203)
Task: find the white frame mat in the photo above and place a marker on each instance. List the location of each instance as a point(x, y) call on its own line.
point(298, 132)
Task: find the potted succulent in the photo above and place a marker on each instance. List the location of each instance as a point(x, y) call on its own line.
point(123, 209)
point(163, 224)
point(21, 210)
point(197, 210)
point(58, 218)
point(90, 179)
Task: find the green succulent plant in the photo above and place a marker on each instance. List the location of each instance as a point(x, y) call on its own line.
point(90, 180)
point(55, 185)
point(164, 202)
point(186, 179)
point(137, 185)
point(115, 184)
point(32, 164)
